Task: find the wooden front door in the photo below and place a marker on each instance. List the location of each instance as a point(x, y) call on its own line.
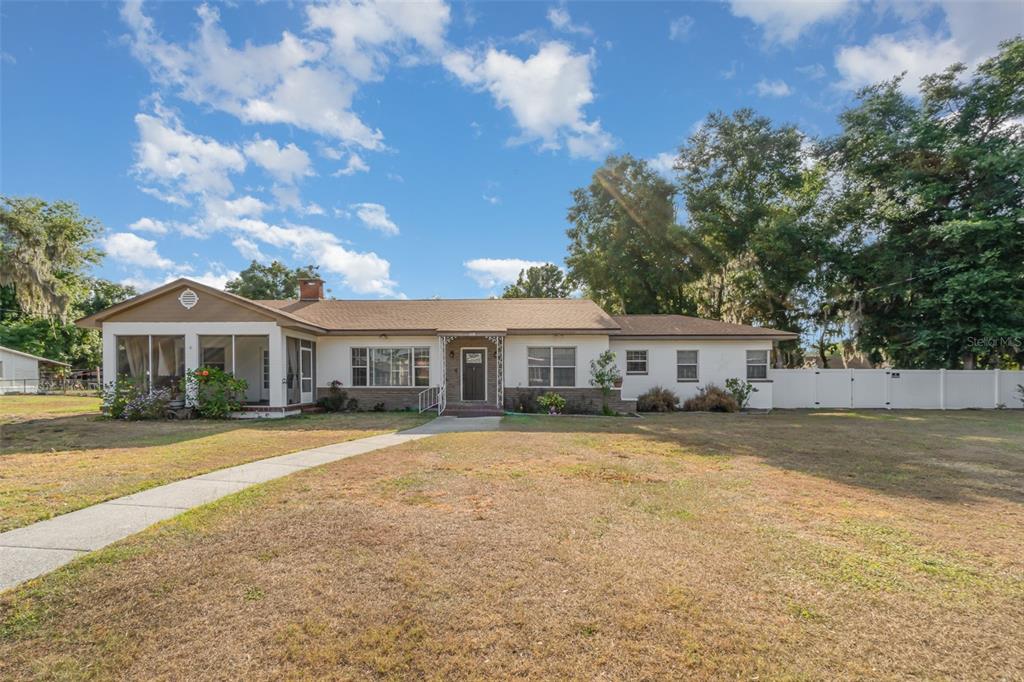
point(474, 374)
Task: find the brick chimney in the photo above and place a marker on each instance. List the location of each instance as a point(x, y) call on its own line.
point(311, 289)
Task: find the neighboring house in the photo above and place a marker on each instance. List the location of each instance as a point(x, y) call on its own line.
point(459, 355)
point(20, 373)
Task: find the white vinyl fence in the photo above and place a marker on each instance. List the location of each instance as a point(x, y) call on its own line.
point(897, 389)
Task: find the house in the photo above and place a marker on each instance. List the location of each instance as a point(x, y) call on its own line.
point(20, 372)
point(481, 355)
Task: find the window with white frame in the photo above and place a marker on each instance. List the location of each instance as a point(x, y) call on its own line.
point(686, 365)
point(757, 364)
point(399, 366)
point(551, 366)
point(636, 362)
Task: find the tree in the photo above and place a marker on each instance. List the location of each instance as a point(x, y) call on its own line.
point(750, 192)
point(52, 338)
point(933, 191)
point(625, 249)
point(604, 374)
point(539, 281)
point(268, 282)
point(44, 253)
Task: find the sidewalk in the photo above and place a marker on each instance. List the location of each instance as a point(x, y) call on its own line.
point(33, 550)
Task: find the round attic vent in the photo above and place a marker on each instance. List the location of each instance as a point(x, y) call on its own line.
point(188, 298)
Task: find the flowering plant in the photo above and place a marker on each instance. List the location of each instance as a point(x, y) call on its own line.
point(127, 398)
point(214, 393)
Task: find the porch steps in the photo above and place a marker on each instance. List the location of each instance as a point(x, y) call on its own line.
point(471, 410)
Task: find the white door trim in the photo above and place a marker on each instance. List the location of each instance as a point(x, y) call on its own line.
point(462, 371)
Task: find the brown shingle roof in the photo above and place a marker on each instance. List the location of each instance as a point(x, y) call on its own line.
point(461, 315)
point(682, 325)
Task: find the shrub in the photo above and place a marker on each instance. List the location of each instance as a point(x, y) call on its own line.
point(352, 405)
point(740, 390)
point(378, 407)
point(711, 398)
point(657, 399)
point(336, 399)
point(214, 393)
point(1020, 393)
point(552, 402)
point(126, 398)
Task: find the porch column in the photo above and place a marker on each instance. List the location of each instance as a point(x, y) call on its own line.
point(499, 370)
point(277, 368)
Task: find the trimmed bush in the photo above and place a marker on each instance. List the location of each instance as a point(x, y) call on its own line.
point(711, 398)
point(552, 402)
point(657, 399)
point(336, 399)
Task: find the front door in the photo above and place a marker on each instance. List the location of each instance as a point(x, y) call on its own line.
point(474, 374)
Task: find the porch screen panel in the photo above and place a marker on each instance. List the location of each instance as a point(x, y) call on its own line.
point(168, 361)
point(215, 352)
point(292, 382)
point(133, 358)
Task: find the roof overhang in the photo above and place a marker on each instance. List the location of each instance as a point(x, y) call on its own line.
point(95, 321)
point(708, 337)
point(34, 357)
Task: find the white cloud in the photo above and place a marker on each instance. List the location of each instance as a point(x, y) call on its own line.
point(886, 56)
point(168, 154)
point(175, 199)
point(217, 279)
point(355, 165)
point(783, 21)
point(663, 163)
point(492, 272)
point(546, 94)
point(561, 21)
point(134, 250)
point(812, 71)
point(362, 272)
point(287, 164)
point(680, 27)
point(973, 33)
point(364, 34)
point(149, 225)
point(777, 88)
point(249, 249)
point(288, 197)
point(375, 217)
point(491, 199)
point(289, 81)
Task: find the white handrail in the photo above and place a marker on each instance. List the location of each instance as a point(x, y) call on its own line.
point(430, 397)
point(442, 399)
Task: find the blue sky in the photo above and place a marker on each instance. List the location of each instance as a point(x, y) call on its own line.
point(415, 150)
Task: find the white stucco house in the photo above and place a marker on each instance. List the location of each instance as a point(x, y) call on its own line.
point(20, 371)
point(456, 356)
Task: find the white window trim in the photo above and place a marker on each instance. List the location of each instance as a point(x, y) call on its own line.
point(647, 360)
point(369, 366)
point(695, 364)
point(765, 364)
point(551, 366)
point(462, 365)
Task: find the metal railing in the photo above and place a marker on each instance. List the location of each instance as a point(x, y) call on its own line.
point(48, 385)
point(429, 398)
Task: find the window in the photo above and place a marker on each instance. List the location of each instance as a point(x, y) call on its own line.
point(360, 367)
point(757, 364)
point(686, 365)
point(266, 370)
point(391, 366)
point(636, 362)
point(421, 366)
point(167, 361)
point(133, 358)
point(551, 366)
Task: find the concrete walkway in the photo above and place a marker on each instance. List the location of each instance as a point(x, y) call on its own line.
point(41, 547)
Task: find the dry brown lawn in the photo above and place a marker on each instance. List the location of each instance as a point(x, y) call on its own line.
point(784, 546)
point(17, 408)
point(52, 464)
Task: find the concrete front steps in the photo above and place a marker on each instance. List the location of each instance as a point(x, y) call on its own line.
point(471, 410)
